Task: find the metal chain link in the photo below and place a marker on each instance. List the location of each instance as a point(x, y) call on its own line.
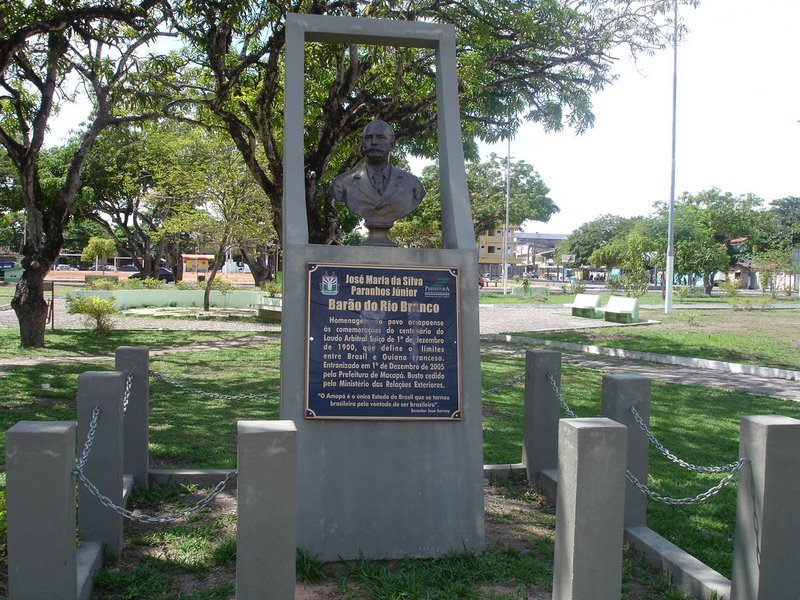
point(128, 514)
point(126, 396)
point(702, 497)
point(187, 388)
point(511, 382)
point(675, 459)
point(87, 447)
point(141, 518)
point(561, 400)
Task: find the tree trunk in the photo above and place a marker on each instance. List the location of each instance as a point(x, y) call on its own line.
point(215, 267)
point(31, 308)
point(708, 284)
point(259, 264)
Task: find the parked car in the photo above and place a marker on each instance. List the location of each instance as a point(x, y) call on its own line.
point(164, 275)
point(127, 268)
point(66, 268)
point(101, 268)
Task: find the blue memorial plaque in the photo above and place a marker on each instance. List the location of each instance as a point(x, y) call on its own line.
point(383, 343)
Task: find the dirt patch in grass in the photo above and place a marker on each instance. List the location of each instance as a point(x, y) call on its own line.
point(519, 520)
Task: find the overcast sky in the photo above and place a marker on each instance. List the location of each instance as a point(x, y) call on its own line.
point(738, 112)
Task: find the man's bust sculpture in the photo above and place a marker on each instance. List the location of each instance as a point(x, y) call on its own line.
point(377, 191)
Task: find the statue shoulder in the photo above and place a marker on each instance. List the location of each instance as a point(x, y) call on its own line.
point(341, 182)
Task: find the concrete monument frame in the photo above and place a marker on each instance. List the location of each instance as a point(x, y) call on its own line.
point(382, 489)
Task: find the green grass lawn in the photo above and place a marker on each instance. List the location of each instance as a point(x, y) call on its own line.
point(769, 338)
point(700, 425)
point(82, 342)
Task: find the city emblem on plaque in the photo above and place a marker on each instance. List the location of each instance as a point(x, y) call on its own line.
point(330, 284)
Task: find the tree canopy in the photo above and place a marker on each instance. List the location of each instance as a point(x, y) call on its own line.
point(713, 230)
point(48, 52)
point(486, 181)
point(517, 59)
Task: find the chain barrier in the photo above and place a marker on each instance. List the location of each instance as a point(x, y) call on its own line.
point(702, 497)
point(510, 383)
point(142, 518)
point(732, 469)
point(126, 396)
point(87, 447)
point(561, 400)
point(129, 514)
point(661, 448)
point(187, 388)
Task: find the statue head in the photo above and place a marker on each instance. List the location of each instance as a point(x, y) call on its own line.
point(377, 142)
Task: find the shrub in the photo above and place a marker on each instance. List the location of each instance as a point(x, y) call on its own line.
point(98, 311)
point(185, 285)
point(150, 283)
point(635, 285)
point(578, 286)
point(91, 280)
point(683, 293)
point(100, 282)
point(222, 285)
point(273, 288)
point(132, 284)
point(731, 288)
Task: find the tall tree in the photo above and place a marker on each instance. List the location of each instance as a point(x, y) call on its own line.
point(44, 48)
point(787, 214)
point(134, 179)
point(486, 181)
point(221, 202)
point(517, 59)
point(593, 235)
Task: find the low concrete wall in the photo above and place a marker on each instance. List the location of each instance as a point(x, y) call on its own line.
point(175, 297)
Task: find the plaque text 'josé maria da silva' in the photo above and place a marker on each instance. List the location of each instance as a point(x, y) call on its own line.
point(383, 343)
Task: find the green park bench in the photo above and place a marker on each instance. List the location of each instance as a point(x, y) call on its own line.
point(621, 310)
point(586, 305)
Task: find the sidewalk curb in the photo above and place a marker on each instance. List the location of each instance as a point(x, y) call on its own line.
point(666, 359)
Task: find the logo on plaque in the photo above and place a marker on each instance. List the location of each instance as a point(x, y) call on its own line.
point(330, 284)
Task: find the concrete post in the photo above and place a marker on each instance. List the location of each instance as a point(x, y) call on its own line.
point(589, 510)
point(767, 540)
point(104, 466)
point(542, 412)
point(620, 393)
point(41, 510)
point(266, 499)
point(135, 425)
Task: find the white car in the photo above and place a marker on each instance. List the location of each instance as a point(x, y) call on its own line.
point(65, 268)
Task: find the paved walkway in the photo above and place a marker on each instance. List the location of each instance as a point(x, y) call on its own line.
point(498, 318)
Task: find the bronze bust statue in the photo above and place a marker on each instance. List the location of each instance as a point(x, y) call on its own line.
point(377, 191)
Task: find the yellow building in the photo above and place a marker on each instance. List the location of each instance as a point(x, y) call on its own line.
point(490, 250)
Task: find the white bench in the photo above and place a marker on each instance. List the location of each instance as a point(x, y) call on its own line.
point(621, 310)
point(585, 305)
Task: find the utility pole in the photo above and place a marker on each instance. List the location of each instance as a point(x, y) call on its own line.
point(505, 230)
point(670, 274)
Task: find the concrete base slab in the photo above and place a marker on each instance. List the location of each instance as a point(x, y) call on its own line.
point(503, 473)
point(686, 572)
point(89, 559)
point(548, 484)
point(202, 477)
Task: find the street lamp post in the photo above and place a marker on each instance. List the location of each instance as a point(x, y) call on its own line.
point(671, 223)
point(505, 229)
